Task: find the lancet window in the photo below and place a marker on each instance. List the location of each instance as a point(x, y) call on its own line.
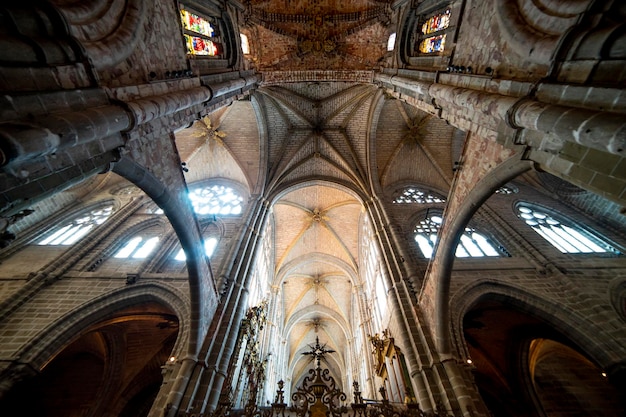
point(472, 243)
point(391, 42)
point(139, 247)
point(562, 233)
point(209, 247)
point(78, 227)
point(245, 44)
point(374, 276)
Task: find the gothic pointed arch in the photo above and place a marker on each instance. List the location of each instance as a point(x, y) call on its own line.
point(444, 254)
point(512, 339)
point(166, 303)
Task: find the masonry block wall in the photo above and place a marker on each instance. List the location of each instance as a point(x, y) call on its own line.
point(99, 98)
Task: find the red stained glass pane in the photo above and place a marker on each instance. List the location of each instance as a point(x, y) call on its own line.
point(433, 44)
point(200, 46)
point(196, 23)
point(436, 23)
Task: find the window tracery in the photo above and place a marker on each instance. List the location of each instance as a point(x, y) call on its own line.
point(216, 199)
point(78, 227)
point(415, 195)
point(507, 189)
point(472, 244)
point(561, 233)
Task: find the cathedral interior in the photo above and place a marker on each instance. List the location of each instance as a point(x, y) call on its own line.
point(207, 207)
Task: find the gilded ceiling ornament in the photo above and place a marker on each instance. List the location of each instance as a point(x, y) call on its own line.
point(210, 132)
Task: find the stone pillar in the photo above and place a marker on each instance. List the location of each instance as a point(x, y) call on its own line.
point(204, 384)
point(409, 334)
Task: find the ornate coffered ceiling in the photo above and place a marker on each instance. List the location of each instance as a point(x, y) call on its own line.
point(327, 34)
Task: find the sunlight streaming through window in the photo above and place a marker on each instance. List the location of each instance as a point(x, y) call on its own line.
point(565, 237)
point(79, 227)
point(209, 247)
point(472, 244)
point(216, 199)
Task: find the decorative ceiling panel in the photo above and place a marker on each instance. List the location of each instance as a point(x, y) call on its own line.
point(325, 34)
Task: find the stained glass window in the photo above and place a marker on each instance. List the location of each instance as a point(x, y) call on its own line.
point(472, 244)
point(199, 34)
point(375, 286)
point(436, 23)
point(196, 23)
point(433, 44)
point(433, 26)
point(562, 234)
point(78, 227)
point(216, 199)
point(200, 46)
point(415, 195)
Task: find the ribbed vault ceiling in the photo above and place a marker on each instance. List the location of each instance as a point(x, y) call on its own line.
point(318, 132)
point(316, 262)
point(319, 148)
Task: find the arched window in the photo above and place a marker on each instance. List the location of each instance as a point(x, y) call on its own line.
point(137, 248)
point(561, 233)
point(78, 227)
point(507, 189)
point(414, 195)
point(209, 247)
point(245, 44)
point(201, 33)
point(472, 243)
point(391, 42)
point(216, 199)
point(432, 36)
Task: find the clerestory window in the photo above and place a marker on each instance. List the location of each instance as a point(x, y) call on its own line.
point(472, 243)
point(217, 200)
point(245, 44)
point(137, 248)
point(391, 42)
point(507, 189)
point(562, 233)
point(78, 227)
point(432, 36)
point(410, 195)
point(209, 247)
point(201, 34)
